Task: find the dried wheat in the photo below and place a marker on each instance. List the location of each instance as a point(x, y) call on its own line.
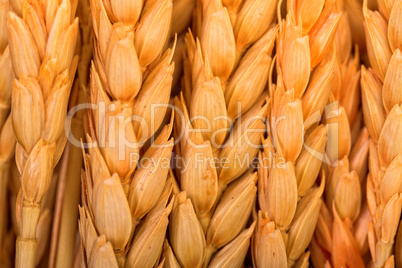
point(42, 38)
point(292, 156)
point(346, 165)
point(128, 77)
point(230, 55)
point(382, 113)
point(6, 131)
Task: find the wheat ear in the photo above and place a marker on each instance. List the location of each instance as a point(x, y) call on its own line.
point(129, 75)
point(228, 55)
point(340, 236)
point(381, 97)
point(42, 37)
point(296, 143)
point(7, 135)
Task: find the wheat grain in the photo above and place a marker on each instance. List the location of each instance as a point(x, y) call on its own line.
point(168, 256)
point(234, 253)
point(267, 243)
point(230, 215)
point(183, 14)
point(152, 232)
point(185, 233)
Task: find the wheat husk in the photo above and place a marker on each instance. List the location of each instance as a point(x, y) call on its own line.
point(231, 214)
point(148, 242)
point(344, 244)
point(268, 247)
point(302, 228)
point(378, 49)
point(185, 231)
point(390, 93)
point(168, 256)
point(398, 253)
point(373, 110)
point(233, 254)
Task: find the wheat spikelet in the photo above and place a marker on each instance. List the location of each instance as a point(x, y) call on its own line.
point(183, 15)
point(382, 113)
point(42, 38)
point(6, 75)
point(129, 75)
point(230, 55)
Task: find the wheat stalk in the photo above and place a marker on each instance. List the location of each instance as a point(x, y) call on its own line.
point(230, 55)
point(69, 213)
point(382, 113)
point(42, 38)
point(129, 75)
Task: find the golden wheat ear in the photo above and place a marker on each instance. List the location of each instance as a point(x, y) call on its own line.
point(129, 167)
point(379, 90)
point(42, 44)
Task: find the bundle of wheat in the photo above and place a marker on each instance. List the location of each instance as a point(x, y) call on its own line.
point(381, 95)
point(42, 37)
point(271, 156)
point(130, 88)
